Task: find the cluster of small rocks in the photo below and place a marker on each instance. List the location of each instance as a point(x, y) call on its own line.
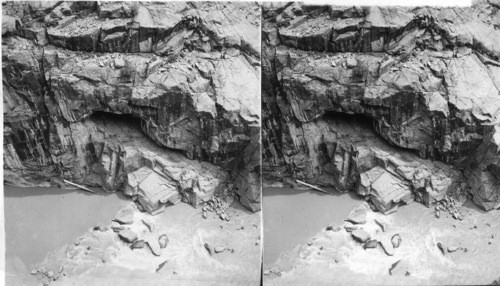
point(451, 205)
point(364, 237)
point(80, 26)
point(345, 61)
point(24, 47)
point(454, 247)
point(218, 206)
point(356, 218)
point(126, 217)
point(48, 275)
point(115, 61)
point(273, 270)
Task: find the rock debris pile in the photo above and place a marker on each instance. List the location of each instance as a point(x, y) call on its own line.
point(451, 205)
point(128, 230)
point(47, 276)
point(217, 206)
point(354, 225)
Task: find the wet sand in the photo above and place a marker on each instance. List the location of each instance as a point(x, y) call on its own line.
point(292, 216)
point(41, 220)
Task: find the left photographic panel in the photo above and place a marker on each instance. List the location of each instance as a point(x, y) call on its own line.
point(132, 143)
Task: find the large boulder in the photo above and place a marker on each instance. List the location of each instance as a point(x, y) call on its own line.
point(152, 189)
point(10, 24)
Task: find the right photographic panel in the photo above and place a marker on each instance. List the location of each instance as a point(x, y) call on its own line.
point(381, 139)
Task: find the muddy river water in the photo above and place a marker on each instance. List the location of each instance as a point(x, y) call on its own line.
point(41, 220)
point(291, 216)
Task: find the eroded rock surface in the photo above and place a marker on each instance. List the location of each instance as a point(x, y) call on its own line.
point(425, 80)
point(186, 74)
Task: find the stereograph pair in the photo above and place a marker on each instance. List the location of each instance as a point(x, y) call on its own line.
point(250, 143)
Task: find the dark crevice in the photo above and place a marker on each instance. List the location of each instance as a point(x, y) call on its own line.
point(128, 119)
point(360, 119)
point(364, 121)
point(131, 121)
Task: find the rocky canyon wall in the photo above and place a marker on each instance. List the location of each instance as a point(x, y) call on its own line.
point(398, 104)
point(159, 99)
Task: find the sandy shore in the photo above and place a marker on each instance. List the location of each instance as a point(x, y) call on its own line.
point(96, 256)
point(334, 257)
point(102, 257)
point(293, 216)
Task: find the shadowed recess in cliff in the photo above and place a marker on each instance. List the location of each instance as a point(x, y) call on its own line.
point(118, 124)
point(133, 122)
point(130, 120)
point(113, 152)
point(363, 121)
point(359, 119)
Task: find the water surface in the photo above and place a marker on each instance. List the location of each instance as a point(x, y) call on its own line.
point(41, 220)
point(292, 217)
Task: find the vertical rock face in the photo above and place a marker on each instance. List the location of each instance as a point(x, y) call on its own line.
point(425, 80)
point(186, 74)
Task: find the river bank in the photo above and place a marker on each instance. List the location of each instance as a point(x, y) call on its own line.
point(292, 216)
point(70, 236)
point(41, 220)
point(432, 251)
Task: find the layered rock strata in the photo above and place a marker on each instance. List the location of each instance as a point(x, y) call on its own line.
point(426, 80)
point(187, 74)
